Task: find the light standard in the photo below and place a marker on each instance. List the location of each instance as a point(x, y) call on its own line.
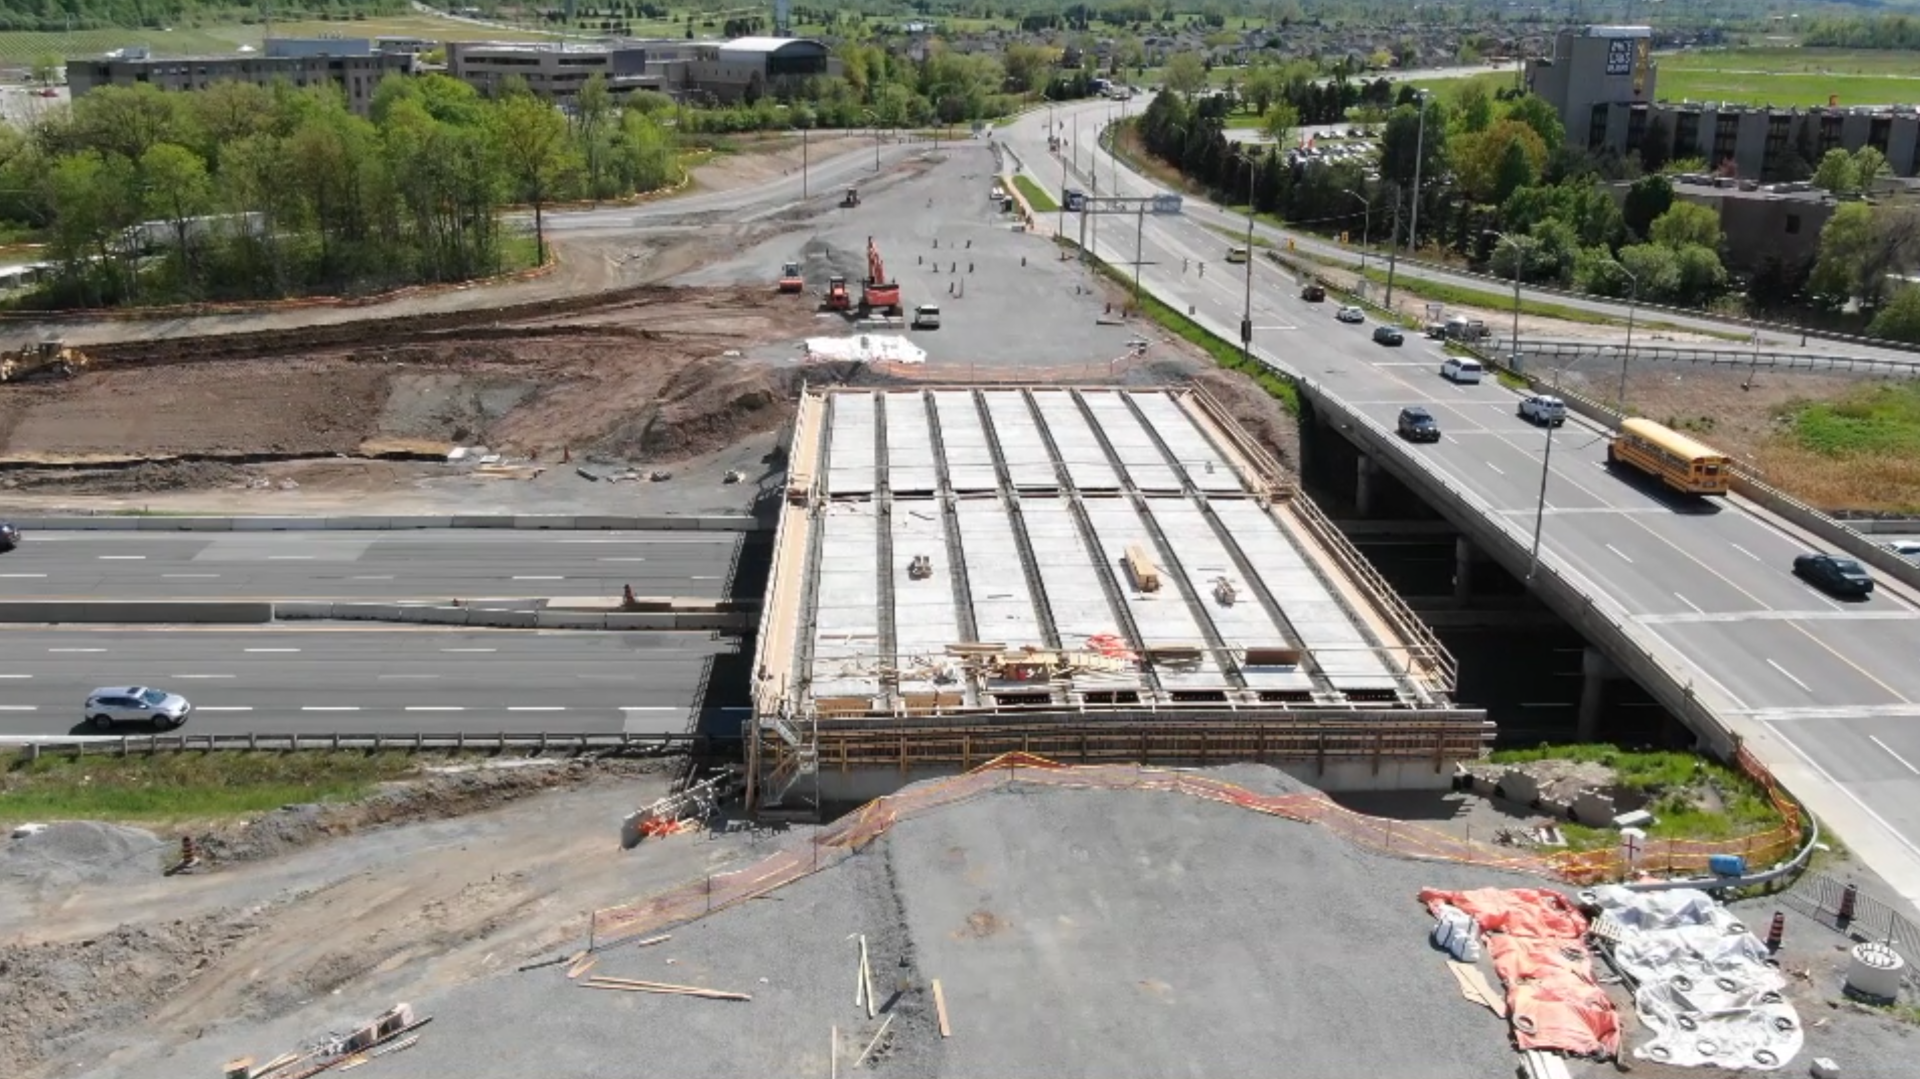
point(803, 163)
point(1419, 151)
point(1513, 357)
point(1366, 230)
point(1246, 312)
point(876, 138)
point(1627, 352)
point(1546, 459)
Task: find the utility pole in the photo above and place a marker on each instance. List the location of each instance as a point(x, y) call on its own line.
point(1419, 151)
point(1139, 249)
point(1246, 312)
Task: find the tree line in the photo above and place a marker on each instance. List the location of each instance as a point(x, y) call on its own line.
point(1862, 32)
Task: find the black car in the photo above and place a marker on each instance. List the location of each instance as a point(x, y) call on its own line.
point(9, 537)
point(1387, 335)
point(1831, 573)
point(1418, 425)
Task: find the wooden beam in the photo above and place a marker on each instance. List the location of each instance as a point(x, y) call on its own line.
point(940, 1009)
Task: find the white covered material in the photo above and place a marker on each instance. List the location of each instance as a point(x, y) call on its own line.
point(1875, 971)
point(866, 348)
point(1457, 932)
point(1704, 988)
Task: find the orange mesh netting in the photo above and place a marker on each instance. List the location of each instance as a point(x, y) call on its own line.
point(1535, 937)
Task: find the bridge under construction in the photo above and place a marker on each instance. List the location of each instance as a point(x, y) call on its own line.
point(1092, 574)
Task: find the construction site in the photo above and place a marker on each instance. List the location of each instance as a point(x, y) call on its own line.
point(1092, 574)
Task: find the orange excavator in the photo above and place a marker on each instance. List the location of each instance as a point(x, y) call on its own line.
point(790, 279)
point(878, 293)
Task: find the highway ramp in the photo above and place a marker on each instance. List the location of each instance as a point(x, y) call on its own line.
point(364, 679)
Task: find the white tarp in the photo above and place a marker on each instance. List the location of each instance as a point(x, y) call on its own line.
point(1456, 932)
point(1705, 991)
point(866, 348)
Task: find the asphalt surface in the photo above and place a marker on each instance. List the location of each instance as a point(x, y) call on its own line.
point(361, 679)
point(1827, 693)
point(438, 565)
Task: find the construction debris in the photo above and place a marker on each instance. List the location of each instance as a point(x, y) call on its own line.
point(1141, 569)
point(581, 967)
point(632, 985)
point(650, 941)
point(881, 1033)
point(940, 1009)
point(920, 568)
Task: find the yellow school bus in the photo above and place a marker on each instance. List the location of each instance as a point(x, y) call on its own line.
point(1678, 461)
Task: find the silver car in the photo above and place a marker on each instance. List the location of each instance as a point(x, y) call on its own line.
point(136, 704)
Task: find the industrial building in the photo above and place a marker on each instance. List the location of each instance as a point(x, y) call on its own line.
point(351, 64)
point(1089, 574)
point(1603, 82)
point(557, 70)
point(749, 68)
point(1759, 221)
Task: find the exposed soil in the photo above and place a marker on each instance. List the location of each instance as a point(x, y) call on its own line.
point(758, 161)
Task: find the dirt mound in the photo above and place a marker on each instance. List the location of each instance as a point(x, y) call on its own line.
point(144, 478)
point(67, 853)
point(1264, 417)
point(437, 797)
point(56, 994)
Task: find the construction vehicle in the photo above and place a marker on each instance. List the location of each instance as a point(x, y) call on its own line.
point(852, 198)
point(790, 279)
point(48, 359)
point(837, 296)
point(876, 292)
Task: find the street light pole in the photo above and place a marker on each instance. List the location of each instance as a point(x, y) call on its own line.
point(1540, 509)
point(1139, 249)
point(803, 163)
point(1626, 353)
point(1366, 230)
point(1246, 312)
point(1419, 151)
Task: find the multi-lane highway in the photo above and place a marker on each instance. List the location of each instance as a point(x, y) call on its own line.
point(435, 566)
point(362, 679)
point(1827, 693)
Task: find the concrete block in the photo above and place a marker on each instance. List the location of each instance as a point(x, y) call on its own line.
point(42, 612)
point(482, 522)
point(368, 612)
point(710, 620)
point(640, 621)
point(1518, 786)
point(501, 618)
point(439, 616)
point(730, 523)
point(570, 620)
point(605, 524)
point(1593, 808)
point(419, 522)
point(306, 609)
point(278, 524)
point(357, 524)
point(217, 612)
point(664, 524)
point(544, 521)
point(186, 524)
point(77, 524)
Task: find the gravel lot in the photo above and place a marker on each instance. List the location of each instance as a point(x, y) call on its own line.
point(1041, 314)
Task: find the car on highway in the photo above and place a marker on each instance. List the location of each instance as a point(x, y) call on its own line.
point(1387, 335)
point(1542, 409)
point(9, 537)
point(1833, 574)
point(1237, 255)
point(1350, 313)
point(1416, 424)
point(1905, 548)
point(136, 704)
point(1461, 370)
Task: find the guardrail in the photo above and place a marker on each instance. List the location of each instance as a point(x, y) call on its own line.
point(1717, 357)
point(85, 522)
point(604, 742)
point(508, 617)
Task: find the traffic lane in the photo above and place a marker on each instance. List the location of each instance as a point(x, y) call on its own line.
point(282, 678)
point(288, 565)
point(1764, 664)
point(823, 178)
point(1725, 541)
point(1883, 649)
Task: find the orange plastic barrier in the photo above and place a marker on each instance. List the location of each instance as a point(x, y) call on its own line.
point(1535, 938)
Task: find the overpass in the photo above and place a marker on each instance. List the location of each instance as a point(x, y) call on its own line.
point(1694, 602)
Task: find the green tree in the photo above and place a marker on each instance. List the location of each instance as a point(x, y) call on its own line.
point(1686, 223)
point(1899, 318)
point(531, 138)
point(1281, 123)
point(1472, 106)
point(1837, 173)
point(1263, 87)
point(1701, 276)
point(592, 110)
point(94, 203)
point(1406, 138)
point(1027, 65)
point(1648, 198)
point(1516, 171)
point(1869, 165)
point(1186, 74)
point(1655, 266)
point(47, 68)
point(1534, 111)
point(176, 188)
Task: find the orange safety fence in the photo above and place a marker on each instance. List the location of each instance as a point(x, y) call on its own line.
point(834, 843)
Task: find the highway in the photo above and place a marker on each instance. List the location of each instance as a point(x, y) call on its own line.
point(439, 565)
point(1826, 693)
point(361, 679)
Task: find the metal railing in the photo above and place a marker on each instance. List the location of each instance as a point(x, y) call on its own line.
point(1825, 900)
point(618, 742)
point(1733, 356)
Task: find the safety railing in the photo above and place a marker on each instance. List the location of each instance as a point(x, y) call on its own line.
point(1842, 906)
point(1748, 358)
point(617, 742)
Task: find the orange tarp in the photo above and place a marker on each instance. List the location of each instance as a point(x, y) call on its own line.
point(1535, 937)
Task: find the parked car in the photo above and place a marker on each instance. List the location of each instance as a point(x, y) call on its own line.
point(1387, 335)
point(9, 536)
point(1458, 369)
point(1416, 424)
point(1834, 574)
point(136, 704)
point(1350, 313)
point(1543, 409)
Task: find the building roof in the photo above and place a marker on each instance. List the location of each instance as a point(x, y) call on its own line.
point(767, 45)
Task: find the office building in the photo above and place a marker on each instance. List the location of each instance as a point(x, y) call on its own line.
point(1591, 73)
point(351, 65)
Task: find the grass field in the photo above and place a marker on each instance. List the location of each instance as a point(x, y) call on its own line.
point(187, 786)
point(1861, 451)
point(1783, 77)
point(1676, 783)
point(1036, 196)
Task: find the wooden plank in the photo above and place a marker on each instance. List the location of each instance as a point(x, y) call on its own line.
point(581, 967)
point(663, 987)
point(833, 1053)
point(940, 1008)
point(866, 977)
point(651, 941)
point(881, 1033)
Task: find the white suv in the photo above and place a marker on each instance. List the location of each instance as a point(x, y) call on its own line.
point(1457, 369)
point(1540, 408)
point(136, 704)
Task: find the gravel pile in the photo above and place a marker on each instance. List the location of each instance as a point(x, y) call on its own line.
point(70, 853)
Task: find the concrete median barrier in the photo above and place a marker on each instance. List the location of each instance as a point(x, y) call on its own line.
point(640, 621)
point(542, 522)
point(502, 618)
point(138, 612)
point(283, 612)
point(272, 524)
point(369, 612)
point(536, 522)
point(570, 620)
point(398, 524)
point(185, 524)
point(482, 522)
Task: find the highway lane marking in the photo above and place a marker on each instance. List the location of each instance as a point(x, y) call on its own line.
point(1904, 761)
point(329, 708)
point(469, 650)
point(19, 707)
point(648, 708)
point(436, 708)
point(16, 676)
point(1789, 674)
point(1688, 602)
point(697, 578)
point(1856, 799)
point(536, 708)
point(122, 558)
point(539, 578)
point(22, 576)
point(223, 707)
point(1618, 551)
point(1744, 551)
point(1496, 468)
point(273, 650)
point(76, 649)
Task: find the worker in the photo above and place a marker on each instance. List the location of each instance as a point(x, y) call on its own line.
point(1185, 265)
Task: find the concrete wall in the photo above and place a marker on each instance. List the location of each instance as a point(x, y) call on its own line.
point(136, 612)
point(108, 522)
